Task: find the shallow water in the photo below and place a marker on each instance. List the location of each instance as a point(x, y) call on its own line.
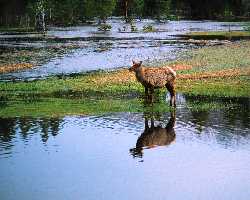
point(185, 155)
point(83, 48)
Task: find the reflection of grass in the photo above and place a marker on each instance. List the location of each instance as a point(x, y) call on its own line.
point(54, 107)
point(199, 106)
point(61, 107)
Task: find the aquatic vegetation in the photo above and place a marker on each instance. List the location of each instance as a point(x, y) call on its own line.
point(104, 27)
point(148, 28)
point(204, 105)
point(133, 27)
point(14, 67)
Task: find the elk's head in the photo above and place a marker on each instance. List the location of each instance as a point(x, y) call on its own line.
point(135, 65)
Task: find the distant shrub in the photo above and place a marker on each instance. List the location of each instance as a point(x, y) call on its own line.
point(148, 28)
point(104, 27)
point(174, 17)
point(133, 27)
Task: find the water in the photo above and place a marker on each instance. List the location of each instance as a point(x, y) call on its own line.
point(83, 48)
point(185, 155)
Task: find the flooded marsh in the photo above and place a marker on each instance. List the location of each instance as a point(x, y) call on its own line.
point(83, 48)
point(76, 125)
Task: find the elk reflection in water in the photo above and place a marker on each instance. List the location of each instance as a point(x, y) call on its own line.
point(154, 136)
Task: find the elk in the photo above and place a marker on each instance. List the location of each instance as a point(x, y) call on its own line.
point(153, 77)
point(154, 136)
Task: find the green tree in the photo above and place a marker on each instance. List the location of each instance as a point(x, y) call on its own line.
point(157, 8)
point(38, 11)
point(136, 8)
point(246, 7)
point(65, 12)
point(102, 8)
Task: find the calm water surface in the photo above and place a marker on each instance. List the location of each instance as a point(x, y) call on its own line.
point(181, 155)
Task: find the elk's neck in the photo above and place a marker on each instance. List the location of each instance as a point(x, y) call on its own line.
point(139, 73)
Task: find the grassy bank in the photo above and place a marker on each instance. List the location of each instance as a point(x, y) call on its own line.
point(217, 71)
point(220, 71)
point(123, 84)
point(220, 35)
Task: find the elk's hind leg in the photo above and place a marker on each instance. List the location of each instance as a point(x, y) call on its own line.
point(171, 88)
point(147, 95)
point(151, 94)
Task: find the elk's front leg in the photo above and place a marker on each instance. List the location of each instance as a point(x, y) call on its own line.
point(146, 91)
point(171, 89)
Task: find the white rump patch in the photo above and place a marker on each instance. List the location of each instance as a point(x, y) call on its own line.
point(173, 72)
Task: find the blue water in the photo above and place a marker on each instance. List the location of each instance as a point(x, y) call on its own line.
point(207, 156)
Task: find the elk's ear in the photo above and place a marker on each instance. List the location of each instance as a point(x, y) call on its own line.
point(140, 62)
point(133, 61)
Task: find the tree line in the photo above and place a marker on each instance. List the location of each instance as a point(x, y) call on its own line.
point(66, 12)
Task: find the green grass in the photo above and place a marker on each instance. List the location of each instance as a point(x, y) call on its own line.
point(217, 87)
point(82, 86)
point(232, 56)
point(77, 86)
point(229, 35)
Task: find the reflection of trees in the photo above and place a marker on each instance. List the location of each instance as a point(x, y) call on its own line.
point(7, 129)
point(236, 117)
point(25, 125)
point(241, 114)
point(49, 126)
point(10, 127)
point(153, 135)
point(7, 132)
point(199, 118)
